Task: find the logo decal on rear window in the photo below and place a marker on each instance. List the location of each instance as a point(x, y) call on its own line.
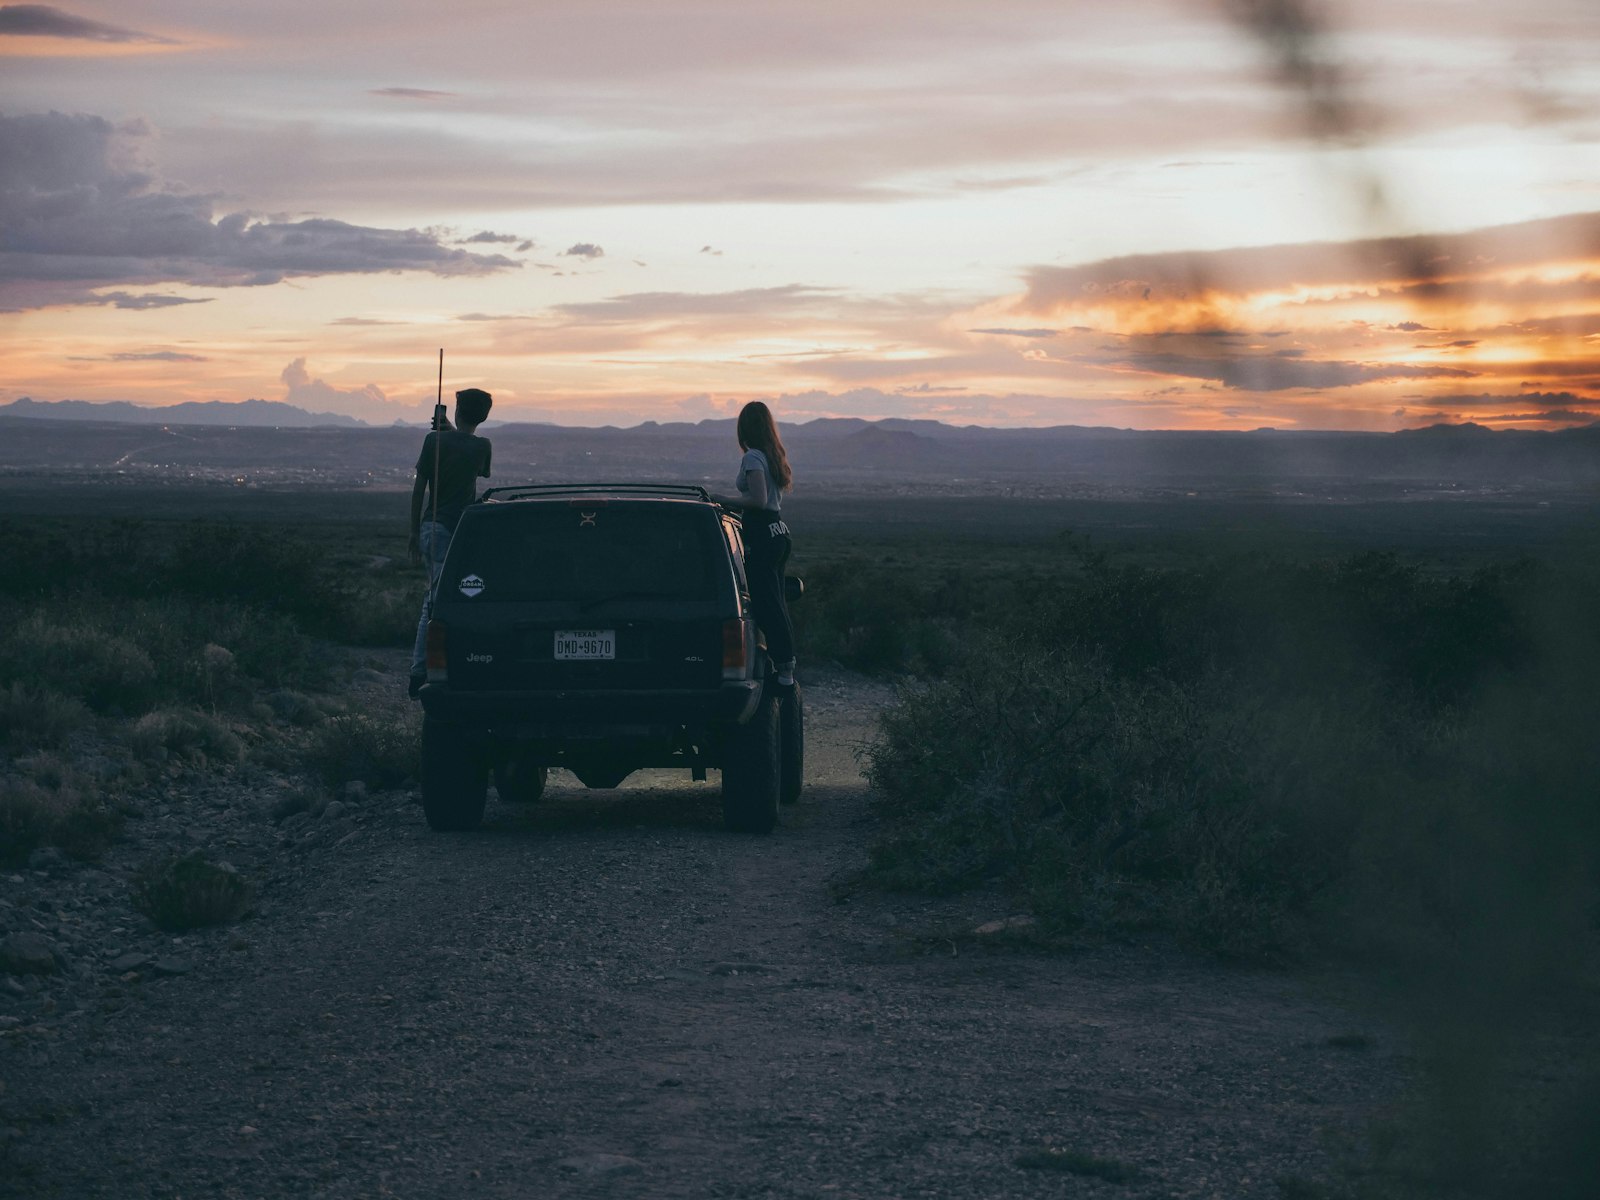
point(471, 585)
point(587, 519)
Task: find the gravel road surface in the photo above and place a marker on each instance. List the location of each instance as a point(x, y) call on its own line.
point(605, 994)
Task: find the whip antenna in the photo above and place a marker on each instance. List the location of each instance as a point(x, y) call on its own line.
point(438, 428)
point(438, 438)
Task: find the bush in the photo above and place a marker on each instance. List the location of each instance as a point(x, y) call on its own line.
point(1360, 757)
point(185, 734)
point(28, 812)
point(382, 753)
point(102, 669)
point(1223, 751)
point(190, 892)
point(377, 615)
point(1110, 805)
point(873, 616)
point(33, 717)
point(52, 805)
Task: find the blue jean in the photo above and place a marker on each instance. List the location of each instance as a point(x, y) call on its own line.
point(434, 541)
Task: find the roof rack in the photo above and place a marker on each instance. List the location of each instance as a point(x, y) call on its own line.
point(528, 491)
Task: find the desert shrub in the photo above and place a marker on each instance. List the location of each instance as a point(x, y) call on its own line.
point(128, 656)
point(102, 669)
point(266, 648)
point(39, 716)
point(186, 734)
point(305, 797)
point(1235, 751)
point(381, 752)
point(882, 617)
point(295, 708)
point(48, 804)
point(1109, 804)
point(248, 565)
point(27, 814)
point(190, 892)
point(377, 614)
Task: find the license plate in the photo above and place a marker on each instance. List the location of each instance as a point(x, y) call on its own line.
point(585, 644)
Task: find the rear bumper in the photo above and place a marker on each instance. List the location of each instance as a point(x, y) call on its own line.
point(587, 713)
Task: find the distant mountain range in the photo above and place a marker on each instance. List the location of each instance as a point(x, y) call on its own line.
point(255, 413)
point(266, 442)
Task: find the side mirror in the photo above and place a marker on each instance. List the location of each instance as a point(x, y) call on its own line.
point(793, 588)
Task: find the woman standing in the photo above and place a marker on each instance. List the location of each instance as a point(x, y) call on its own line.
point(763, 478)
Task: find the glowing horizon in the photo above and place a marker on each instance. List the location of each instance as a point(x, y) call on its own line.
point(1038, 215)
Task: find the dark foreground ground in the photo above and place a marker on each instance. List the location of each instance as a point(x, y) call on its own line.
point(607, 995)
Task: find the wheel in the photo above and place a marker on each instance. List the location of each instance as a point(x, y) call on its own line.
point(792, 739)
point(519, 780)
point(750, 772)
point(455, 780)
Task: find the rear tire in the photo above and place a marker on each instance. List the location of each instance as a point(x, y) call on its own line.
point(750, 783)
point(455, 779)
point(519, 780)
point(792, 738)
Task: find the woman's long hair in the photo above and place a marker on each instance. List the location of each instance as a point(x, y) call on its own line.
point(758, 431)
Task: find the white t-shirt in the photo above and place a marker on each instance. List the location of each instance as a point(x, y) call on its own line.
point(755, 460)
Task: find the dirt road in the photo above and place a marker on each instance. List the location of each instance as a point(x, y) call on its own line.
point(607, 995)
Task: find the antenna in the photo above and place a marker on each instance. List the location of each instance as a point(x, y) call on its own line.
point(438, 427)
point(438, 438)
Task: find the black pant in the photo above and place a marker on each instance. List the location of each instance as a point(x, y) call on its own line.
point(766, 553)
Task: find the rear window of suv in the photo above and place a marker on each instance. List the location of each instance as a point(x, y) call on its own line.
point(591, 552)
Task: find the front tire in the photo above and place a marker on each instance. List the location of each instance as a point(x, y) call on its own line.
point(792, 738)
point(750, 771)
point(455, 780)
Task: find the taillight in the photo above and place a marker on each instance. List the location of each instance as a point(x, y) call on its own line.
point(735, 649)
point(437, 660)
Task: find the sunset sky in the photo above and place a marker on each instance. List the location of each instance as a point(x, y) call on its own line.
point(1151, 214)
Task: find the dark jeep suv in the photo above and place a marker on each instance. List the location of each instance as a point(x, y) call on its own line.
point(601, 628)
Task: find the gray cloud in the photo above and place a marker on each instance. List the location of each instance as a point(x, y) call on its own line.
point(1418, 265)
point(486, 237)
point(584, 250)
point(1276, 374)
point(647, 305)
point(75, 217)
point(1022, 333)
point(1559, 416)
point(1490, 400)
point(137, 302)
point(41, 20)
point(140, 356)
point(411, 93)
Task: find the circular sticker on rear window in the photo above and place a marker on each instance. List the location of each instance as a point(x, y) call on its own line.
point(471, 585)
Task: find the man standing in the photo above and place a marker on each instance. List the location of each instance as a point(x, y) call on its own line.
point(460, 459)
